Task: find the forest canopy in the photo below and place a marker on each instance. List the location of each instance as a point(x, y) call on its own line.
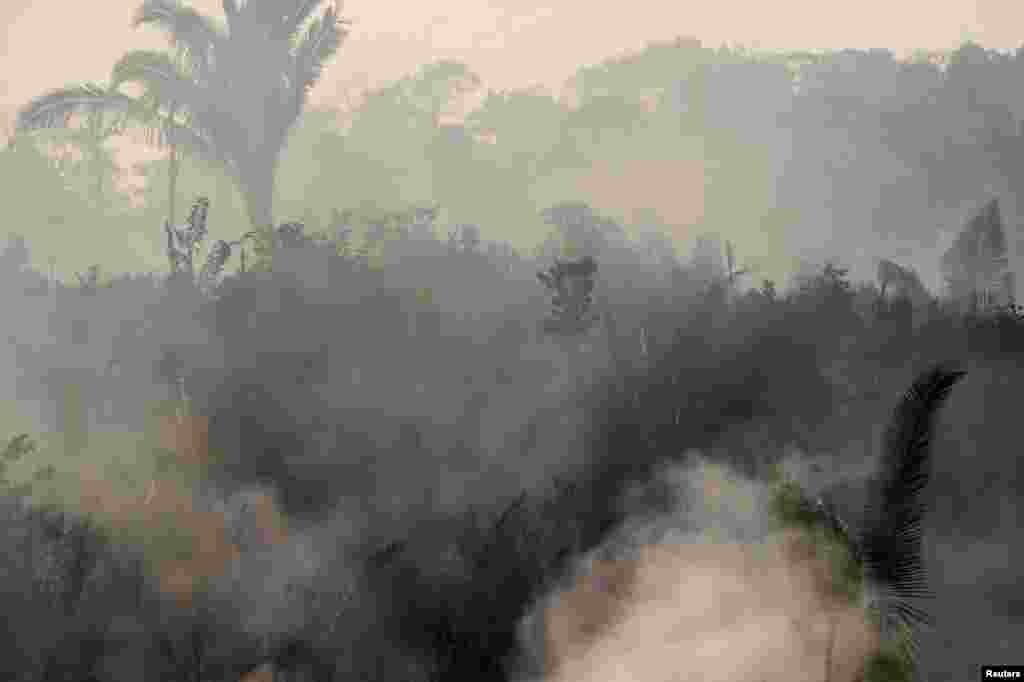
point(792, 157)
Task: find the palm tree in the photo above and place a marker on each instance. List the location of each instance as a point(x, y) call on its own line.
point(226, 93)
point(887, 568)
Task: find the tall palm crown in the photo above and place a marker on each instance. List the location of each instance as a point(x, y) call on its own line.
point(227, 92)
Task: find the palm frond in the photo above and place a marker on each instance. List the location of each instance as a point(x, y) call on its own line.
point(319, 43)
point(890, 541)
point(295, 20)
point(197, 228)
point(216, 258)
point(56, 108)
point(182, 112)
point(193, 34)
point(164, 82)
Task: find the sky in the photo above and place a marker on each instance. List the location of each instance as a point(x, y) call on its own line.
point(510, 43)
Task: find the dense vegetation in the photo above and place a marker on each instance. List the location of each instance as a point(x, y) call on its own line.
point(357, 445)
point(867, 156)
point(411, 422)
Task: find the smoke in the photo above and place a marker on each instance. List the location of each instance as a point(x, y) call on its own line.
point(711, 591)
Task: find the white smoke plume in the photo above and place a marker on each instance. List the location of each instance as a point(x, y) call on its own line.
point(713, 591)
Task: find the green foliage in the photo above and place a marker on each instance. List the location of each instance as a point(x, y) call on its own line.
point(394, 154)
point(893, 662)
point(15, 451)
point(788, 505)
point(846, 575)
point(262, 249)
point(790, 508)
point(570, 285)
point(17, 447)
point(519, 152)
point(89, 282)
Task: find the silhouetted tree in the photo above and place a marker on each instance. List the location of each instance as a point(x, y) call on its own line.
point(228, 95)
point(571, 284)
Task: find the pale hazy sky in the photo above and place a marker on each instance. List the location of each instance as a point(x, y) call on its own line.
point(509, 43)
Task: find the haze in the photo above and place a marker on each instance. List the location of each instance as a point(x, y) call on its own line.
point(395, 382)
point(510, 44)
